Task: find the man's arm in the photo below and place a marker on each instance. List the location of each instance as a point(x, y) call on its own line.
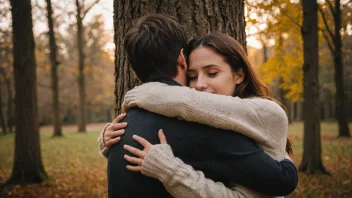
point(246, 164)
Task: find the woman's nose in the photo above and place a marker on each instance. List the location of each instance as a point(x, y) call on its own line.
point(201, 84)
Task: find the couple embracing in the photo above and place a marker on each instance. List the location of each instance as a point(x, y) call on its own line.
point(202, 123)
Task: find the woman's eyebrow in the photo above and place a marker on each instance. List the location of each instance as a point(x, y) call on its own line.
point(210, 65)
point(204, 67)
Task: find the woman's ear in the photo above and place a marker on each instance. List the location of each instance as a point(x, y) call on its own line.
point(238, 76)
point(181, 61)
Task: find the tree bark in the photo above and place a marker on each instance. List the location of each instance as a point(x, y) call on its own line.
point(81, 79)
point(28, 166)
point(338, 64)
point(311, 162)
point(54, 75)
point(265, 53)
point(197, 17)
point(299, 111)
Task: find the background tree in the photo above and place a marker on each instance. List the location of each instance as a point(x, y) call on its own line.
point(197, 17)
point(28, 166)
point(80, 15)
point(99, 63)
point(54, 74)
point(311, 161)
point(6, 62)
point(333, 39)
point(278, 28)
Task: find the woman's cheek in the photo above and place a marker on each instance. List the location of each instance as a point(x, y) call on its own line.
point(192, 84)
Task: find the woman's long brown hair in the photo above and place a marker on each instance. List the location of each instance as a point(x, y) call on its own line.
point(234, 54)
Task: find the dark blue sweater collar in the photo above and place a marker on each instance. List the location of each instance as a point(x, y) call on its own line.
point(169, 82)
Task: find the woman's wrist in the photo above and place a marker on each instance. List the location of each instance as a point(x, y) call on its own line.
point(104, 129)
point(160, 162)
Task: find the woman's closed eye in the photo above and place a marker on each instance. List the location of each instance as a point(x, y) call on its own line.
point(191, 78)
point(212, 74)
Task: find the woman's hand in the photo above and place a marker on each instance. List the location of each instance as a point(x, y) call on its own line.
point(140, 154)
point(114, 131)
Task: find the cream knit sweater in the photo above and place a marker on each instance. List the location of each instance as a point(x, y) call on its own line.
point(262, 120)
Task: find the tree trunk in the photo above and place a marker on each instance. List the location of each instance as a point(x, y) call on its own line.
point(81, 81)
point(54, 68)
point(265, 53)
point(338, 63)
point(311, 161)
point(299, 113)
point(28, 166)
point(2, 117)
point(292, 111)
point(197, 17)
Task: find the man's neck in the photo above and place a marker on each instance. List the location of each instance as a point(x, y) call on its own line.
point(180, 80)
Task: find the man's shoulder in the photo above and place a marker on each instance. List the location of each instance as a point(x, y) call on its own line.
point(137, 114)
point(149, 119)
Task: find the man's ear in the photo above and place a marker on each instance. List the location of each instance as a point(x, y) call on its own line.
point(181, 61)
point(238, 76)
point(135, 75)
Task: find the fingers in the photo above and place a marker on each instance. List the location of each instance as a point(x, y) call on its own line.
point(118, 133)
point(108, 135)
point(111, 142)
point(116, 126)
point(134, 168)
point(133, 160)
point(134, 151)
point(142, 141)
point(119, 118)
point(162, 137)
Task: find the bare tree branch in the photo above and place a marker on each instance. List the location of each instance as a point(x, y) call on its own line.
point(333, 12)
point(292, 19)
point(90, 7)
point(327, 40)
point(326, 23)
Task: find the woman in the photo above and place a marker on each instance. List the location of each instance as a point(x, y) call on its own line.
point(239, 102)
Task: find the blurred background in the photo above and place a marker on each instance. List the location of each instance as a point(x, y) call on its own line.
point(85, 34)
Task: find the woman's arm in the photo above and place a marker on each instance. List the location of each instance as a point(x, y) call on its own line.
point(246, 116)
point(181, 180)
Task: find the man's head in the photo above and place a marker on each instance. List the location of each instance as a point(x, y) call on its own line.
point(154, 47)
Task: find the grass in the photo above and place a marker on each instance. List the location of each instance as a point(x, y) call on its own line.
point(77, 170)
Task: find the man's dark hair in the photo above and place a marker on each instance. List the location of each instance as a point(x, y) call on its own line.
point(153, 47)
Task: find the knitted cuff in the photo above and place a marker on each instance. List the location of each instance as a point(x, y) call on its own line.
point(101, 144)
point(160, 163)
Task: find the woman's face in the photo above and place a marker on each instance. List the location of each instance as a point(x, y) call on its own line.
point(209, 72)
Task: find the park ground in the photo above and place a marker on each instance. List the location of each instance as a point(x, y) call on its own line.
point(76, 169)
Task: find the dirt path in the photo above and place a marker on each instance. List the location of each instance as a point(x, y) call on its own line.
point(90, 127)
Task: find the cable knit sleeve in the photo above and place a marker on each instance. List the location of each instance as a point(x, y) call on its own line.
point(180, 179)
point(101, 147)
point(225, 112)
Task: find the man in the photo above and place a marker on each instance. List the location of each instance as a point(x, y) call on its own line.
point(155, 50)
